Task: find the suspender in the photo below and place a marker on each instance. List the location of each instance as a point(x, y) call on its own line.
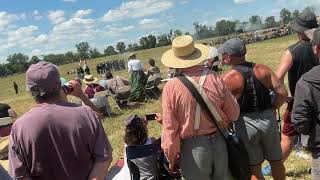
point(199, 86)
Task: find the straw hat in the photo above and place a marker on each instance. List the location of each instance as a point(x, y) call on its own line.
point(184, 53)
point(88, 79)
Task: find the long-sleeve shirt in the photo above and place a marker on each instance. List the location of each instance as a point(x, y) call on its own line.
point(179, 108)
point(135, 65)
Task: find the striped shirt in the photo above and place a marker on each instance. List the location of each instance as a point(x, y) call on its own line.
point(179, 108)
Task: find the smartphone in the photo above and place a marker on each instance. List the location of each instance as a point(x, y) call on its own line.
point(151, 117)
point(67, 89)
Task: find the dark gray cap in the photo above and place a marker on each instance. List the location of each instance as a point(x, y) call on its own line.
point(234, 47)
point(313, 35)
point(305, 20)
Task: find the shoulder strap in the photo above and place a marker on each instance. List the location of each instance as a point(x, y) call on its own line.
point(201, 102)
point(199, 86)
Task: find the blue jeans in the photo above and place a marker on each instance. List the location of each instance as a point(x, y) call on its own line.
point(205, 158)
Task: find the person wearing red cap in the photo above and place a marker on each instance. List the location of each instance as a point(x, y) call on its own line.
point(57, 139)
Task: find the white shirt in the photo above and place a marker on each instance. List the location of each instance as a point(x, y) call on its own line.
point(135, 65)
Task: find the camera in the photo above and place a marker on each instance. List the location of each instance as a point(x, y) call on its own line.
point(67, 89)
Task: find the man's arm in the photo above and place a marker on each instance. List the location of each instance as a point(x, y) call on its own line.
point(170, 137)
point(99, 170)
point(285, 65)
point(265, 75)
point(302, 108)
point(235, 82)
point(77, 92)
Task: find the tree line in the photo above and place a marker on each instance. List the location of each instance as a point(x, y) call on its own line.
point(18, 62)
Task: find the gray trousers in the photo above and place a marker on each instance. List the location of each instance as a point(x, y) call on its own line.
point(315, 168)
point(205, 158)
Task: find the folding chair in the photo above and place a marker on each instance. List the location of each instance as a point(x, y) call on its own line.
point(136, 154)
point(4, 174)
point(122, 95)
point(5, 127)
point(100, 100)
point(152, 84)
point(6, 121)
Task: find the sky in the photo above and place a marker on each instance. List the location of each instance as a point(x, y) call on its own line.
point(39, 27)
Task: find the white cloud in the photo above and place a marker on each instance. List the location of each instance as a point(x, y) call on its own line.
point(242, 1)
point(82, 13)
point(183, 2)
point(68, 0)
point(36, 52)
point(36, 15)
point(23, 16)
point(56, 16)
point(74, 25)
point(137, 9)
point(150, 23)
point(6, 19)
point(117, 31)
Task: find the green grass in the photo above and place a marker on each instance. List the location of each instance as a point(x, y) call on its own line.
point(266, 52)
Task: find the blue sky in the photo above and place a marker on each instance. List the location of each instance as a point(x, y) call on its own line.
point(37, 27)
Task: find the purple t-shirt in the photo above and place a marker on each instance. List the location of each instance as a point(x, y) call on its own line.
point(57, 141)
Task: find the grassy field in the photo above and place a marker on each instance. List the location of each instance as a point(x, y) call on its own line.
point(266, 52)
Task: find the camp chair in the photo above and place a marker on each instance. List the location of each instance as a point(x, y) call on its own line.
point(5, 127)
point(152, 84)
point(122, 95)
point(100, 100)
point(135, 153)
point(6, 121)
point(4, 174)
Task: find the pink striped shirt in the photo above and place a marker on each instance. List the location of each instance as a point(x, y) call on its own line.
point(179, 108)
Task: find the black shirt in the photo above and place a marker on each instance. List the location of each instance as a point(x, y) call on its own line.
point(4, 110)
point(303, 59)
point(255, 97)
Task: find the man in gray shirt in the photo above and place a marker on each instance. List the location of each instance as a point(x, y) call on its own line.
point(57, 139)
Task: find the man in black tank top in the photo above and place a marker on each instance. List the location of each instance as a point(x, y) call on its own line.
point(297, 60)
point(251, 84)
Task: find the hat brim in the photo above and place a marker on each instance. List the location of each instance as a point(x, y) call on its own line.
point(199, 55)
point(90, 82)
point(298, 28)
point(309, 33)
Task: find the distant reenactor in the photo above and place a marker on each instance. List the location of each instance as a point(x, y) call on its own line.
point(15, 86)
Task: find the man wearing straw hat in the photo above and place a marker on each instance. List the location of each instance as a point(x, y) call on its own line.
point(257, 126)
point(189, 138)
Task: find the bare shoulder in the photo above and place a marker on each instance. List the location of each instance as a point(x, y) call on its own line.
point(232, 76)
point(261, 71)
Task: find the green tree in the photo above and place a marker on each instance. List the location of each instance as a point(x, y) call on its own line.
point(177, 33)
point(70, 57)
point(144, 42)
point(295, 13)
point(224, 27)
point(94, 53)
point(152, 41)
point(121, 47)
point(285, 16)
point(83, 50)
point(109, 51)
point(34, 60)
point(163, 40)
point(270, 22)
point(18, 62)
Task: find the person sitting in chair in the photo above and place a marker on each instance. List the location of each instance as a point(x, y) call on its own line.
point(115, 86)
point(91, 89)
point(136, 133)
